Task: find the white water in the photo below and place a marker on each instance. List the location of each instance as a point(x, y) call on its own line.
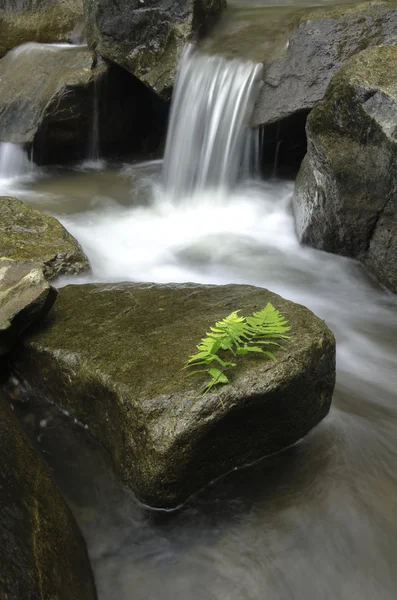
point(208, 132)
point(14, 161)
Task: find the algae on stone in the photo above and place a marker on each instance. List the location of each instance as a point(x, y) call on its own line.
point(112, 356)
point(147, 39)
point(42, 552)
point(44, 21)
point(28, 235)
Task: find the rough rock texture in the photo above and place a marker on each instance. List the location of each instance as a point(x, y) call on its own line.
point(43, 21)
point(147, 37)
point(25, 297)
point(345, 196)
point(320, 44)
point(28, 235)
point(59, 99)
point(112, 355)
point(42, 553)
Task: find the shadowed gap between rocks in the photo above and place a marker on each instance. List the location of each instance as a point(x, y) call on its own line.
point(283, 146)
point(132, 121)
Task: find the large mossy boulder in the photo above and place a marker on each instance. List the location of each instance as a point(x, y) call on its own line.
point(25, 298)
point(45, 21)
point(28, 235)
point(147, 37)
point(112, 356)
point(62, 101)
point(316, 46)
point(345, 196)
point(42, 552)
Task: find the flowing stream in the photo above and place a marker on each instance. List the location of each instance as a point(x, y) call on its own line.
point(317, 522)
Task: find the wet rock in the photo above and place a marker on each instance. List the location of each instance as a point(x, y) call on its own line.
point(320, 42)
point(62, 102)
point(147, 37)
point(25, 297)
point(345, 194)
point(42, 553)
point(45, 21)
point(112, 356)
point(28, 235)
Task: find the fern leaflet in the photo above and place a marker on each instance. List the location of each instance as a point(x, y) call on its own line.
point(237, 336)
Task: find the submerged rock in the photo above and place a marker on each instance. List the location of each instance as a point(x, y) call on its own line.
point(28, 235)
point(42, 552)
point(147, 37)
point(112, 356)
point(25, 297)
point(345, 195)
point(62, 101)
point(44, 21)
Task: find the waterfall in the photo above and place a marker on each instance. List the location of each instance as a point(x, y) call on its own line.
point(208, 136)
point(13, 161)
point(93, 149)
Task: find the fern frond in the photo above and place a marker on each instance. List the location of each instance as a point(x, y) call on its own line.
point(267, 322)
point(239, 336)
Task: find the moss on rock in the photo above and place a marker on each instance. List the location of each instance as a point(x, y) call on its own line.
point(28, 235)
point(344, 199)
point(44, 21)
point(147, 39)
point(112, 355)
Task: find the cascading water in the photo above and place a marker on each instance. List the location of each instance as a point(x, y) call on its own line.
point(14, 161)
point(209, 137)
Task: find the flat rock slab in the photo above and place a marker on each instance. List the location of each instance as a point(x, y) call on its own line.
point(28, 235)
point(112, 355)
point(25, 297)
point(42, 552)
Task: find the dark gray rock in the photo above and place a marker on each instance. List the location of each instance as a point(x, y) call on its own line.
point(42, 552)
point(112, 356)
point(28, 235)
point(25, 297)
point(319, 44)
point(146, 37)
point(44, 21)
point(53, 98)
point(345, 198)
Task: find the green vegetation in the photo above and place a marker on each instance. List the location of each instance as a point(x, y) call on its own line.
point(237, 336)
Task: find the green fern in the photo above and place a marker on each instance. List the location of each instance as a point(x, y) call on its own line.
point(237, 336)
